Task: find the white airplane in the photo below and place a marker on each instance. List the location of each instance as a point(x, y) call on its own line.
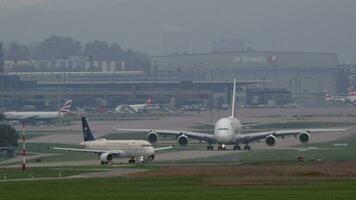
point(39, 115)
point(110, 149)
point(228, 131)
point(136, 108)
point(349, 98)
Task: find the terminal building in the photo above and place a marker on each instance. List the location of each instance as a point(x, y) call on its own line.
point(305, 75)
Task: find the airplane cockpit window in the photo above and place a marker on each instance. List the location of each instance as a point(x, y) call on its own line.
point(223, 129)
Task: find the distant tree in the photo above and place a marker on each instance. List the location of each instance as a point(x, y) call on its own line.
point(135, 59)
point(56, 47)
point(99, 50)
point(17, 52)
point(8, 136)
point(117, 53)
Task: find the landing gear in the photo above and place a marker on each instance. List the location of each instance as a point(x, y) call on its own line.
point(132, 160)
point(210, 147)
point(237, 147)
point(247, 147)
point(104, 163)
point(221, 147)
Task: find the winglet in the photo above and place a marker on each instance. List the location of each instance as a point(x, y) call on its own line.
point(233, 99)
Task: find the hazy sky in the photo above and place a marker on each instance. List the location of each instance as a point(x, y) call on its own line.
point(164, 26)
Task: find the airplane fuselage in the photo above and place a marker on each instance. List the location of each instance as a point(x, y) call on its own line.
point(226, 130)
point(35, 115)
point(127, 148)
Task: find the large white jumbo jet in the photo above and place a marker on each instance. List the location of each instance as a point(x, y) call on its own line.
point(39, 115)
point(228, 131)
point(110, 149)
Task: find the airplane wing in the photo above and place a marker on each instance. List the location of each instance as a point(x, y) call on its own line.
point(28, 117)
point(254, 124)
point(163, 148)
point(250, 137)
point(86, 150)
point(196, 135)
point(205, 123)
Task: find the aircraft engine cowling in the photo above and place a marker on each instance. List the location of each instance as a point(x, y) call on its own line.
point(106, 157)
point(271, 140)
point(304, 137)
point(151, 157)
point(183, 140)
point(152, 137)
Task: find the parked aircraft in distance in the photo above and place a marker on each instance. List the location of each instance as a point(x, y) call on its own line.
point(110, 149)
point(349, 98)
point(39, 115)
point(228, 131)
point(137, 108)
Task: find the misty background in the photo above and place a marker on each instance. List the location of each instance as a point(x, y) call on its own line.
point(191, 26)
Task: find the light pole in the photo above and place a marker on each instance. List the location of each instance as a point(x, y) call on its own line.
point(211, 94)
point(2, 78)
point(64, 69)
point(59, 97)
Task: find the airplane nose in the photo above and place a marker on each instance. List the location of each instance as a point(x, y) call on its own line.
point(223, 136)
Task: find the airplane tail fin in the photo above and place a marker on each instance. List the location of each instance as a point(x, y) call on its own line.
point(327, 95)
point(66, 107)
point(233, 100)
point(88, 135)
point(351, 91)
point(149, 101)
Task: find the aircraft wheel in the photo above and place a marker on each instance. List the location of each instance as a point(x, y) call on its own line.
point(247, 147)
point(237, 147)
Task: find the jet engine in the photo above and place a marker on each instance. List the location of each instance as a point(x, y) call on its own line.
point(106, 157)
point(152, 137)
point(183, 140)
point(151, 157)
point(271, 140)
point(304, 137)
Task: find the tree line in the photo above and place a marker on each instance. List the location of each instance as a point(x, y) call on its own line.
point(59, 47)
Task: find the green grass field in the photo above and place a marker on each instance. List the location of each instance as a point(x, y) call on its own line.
point(40, 172)
point(182, 188)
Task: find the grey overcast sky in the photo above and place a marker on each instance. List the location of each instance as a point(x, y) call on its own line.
point(164, 26)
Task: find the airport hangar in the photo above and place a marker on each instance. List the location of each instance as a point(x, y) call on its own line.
point(306, 75)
